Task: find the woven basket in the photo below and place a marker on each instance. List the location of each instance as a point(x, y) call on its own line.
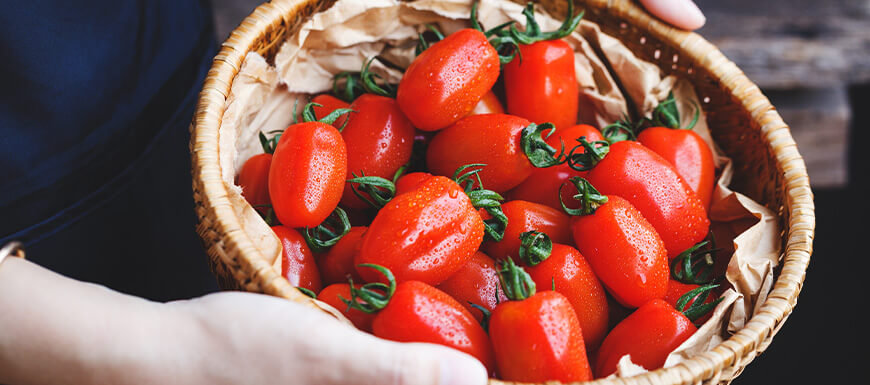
point(768, 167)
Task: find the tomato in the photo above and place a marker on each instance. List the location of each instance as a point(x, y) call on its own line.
point(541, 84)
point(380, 140)
point(297, 261)
point(462, 144)
point(333, 294)
point(425, 235)
point(649, 334)
point(475, 283)
point(688, 153)
point(307, 174)
point(573, 277)
point(418, 312)
point(254, 180)
point(337, 264)
point(448, 79)
point(543, 185)
point(411, 181)
point(536, 337)
point(623, 248)
point(329, 104)
point(527, 216)
point(651, 184)
point(489, 104)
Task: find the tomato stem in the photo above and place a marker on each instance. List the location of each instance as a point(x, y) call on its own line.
point(309, 116)
point(593, 153)
point(621, 130)
point(328, 233)
point(307, 292)
point(589, 197)
point(535, 247)
point(374, 190)
point(517, 284)
point(370, 82)
point(537, 150)
point(484, 321)
point(422, 43)
point(352, 86)
point(698, 308)
point(488, 200)
point(694, 265)
point(374, 295)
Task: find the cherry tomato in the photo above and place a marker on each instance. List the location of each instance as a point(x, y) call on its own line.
point(543, 185)
point(688, 153)
point(254, 180)
point(568, 271)
point(650, 183)
point(418, 312)
point(448, 79)
point(337, 264)
point(649, 334)
point(527, 216)
point(462, 144)
point(332, 295)
point(381, 139)
point(425, 235)
point(330, 103)
point(541, 84)
point(489, 104)
point(475, 283)
point(411, 181)
point(297, 262)
point(307, 174)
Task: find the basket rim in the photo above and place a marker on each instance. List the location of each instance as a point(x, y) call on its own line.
point(737, 351)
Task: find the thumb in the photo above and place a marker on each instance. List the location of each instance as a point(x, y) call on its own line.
point(680, 13)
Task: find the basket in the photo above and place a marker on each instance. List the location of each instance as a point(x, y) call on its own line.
point(767, 165)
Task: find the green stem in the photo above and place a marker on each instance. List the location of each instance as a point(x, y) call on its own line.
point(309, 116)
point(374, 296)
point(517, 284)
point(592, 154)
point(589, 197)
point(328, 233)
point(698, 308)
point(350, 89)
point(535, 247)
point(484, 321)
point(374, 190)
point(537, 150)
point(694, 265)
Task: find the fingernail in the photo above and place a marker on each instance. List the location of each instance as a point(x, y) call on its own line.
point(461, 369)
point(694, 17)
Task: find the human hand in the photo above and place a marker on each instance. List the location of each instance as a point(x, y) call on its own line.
point(680, 13)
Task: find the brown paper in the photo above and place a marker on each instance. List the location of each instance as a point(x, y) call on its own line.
point(344, 36)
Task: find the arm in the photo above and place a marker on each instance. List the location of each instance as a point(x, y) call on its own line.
point(57, 330)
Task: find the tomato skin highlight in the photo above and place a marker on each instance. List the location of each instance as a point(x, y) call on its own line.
point(476, 282)
point(330, 103)
point(543, 185)
point(688, 153)
point(651, 184)
point(539, 339)
point(380, 140)
point(448, 79)
point(336, 265)
point(541, 84)
point(411, 181)
point(625, 252)
point(649, 334)
point(297, 261)
point(330, 295)
point(418, 312)
point(527, 216)
point(574, 278)
point(424, 235)
point(460, 144)
point(254, 180)
point(488, 104)
point(306, 178)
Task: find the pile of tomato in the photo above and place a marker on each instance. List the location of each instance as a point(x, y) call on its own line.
point(466, 207)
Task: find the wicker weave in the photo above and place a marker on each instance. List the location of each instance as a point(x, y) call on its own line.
point(768, 167)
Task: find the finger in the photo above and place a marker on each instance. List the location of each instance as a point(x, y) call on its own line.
point(680, 13)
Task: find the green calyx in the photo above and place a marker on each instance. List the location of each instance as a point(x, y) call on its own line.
point(309, 116)
point(516, 283)
point(667, 115)
point(481, 198)
point(698, 308)
point(593, 153)
point(374, 296)
point(534, 145)
point(589, 197)
point(484, 321)
point(621, 130)
point(328, 233)
point(535, 247)
point(533, 33)
point(503, 43)
point(695, 265)
point(347, 86)
point(374, 190)
point(370, 82)
point(270, 143)
point(423, 44)
point(307, 292)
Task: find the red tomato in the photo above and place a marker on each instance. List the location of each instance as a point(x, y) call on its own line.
point(330, 103)
point(380, 138)
point(624, 250)
point(477, 283)
point(359, 318)
point(462, 144)
point(541, 85)
point(573, 277)
point(543, 185)
point(489, 104)
point(448, 79)
point(418, 312)
point(649, 334)
point(423, 235)
point(297, 262)
point(254, 180)
point(411, 181)
point(307, 174)
point(688, 153)
point(337, 264)
point(527, 216)
point(650, 183)
point(539, 339)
